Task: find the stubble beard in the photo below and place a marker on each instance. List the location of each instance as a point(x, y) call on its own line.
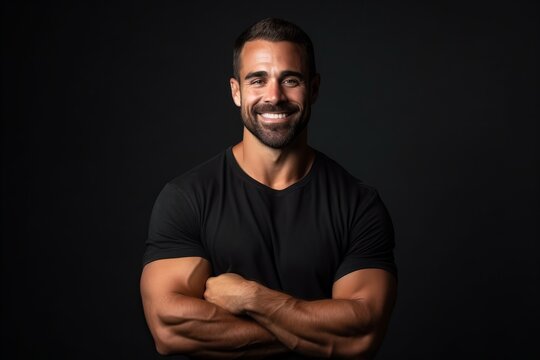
point(276, 136)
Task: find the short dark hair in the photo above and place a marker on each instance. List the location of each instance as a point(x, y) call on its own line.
point(273, 29)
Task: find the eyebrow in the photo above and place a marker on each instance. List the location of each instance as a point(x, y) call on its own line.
point(284, 74)
point(255, 74)
point(287, 73)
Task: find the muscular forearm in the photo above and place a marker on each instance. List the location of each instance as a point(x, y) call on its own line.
point(340, 327)
point(196, 327)
point(329, 328)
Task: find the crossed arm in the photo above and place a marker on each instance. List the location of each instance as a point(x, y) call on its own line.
point(228, 316)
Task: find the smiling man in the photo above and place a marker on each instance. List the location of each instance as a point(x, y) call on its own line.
point(275, 97)
point(270, 249)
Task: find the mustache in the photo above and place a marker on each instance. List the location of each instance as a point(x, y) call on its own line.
point(285, 107)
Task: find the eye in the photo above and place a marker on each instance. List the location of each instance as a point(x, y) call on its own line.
point(291, 82)
point(256, 82)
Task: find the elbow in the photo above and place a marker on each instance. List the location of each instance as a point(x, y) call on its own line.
point(364, 347)
point(362, 343)
point(163, 349)
point(162, 341)
point(168, 342)
point(171, 332)
point(361, 348)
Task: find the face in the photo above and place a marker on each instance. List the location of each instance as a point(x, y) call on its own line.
point(274, 91)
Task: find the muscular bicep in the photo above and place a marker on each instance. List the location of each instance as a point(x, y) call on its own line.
point(167, 283)
point(375, 289)
point(184, 276)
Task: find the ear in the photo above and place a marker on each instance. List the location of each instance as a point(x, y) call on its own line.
point(315, 83)
point(235, 91)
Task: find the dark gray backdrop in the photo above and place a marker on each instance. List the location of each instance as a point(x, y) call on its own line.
point(434, 103)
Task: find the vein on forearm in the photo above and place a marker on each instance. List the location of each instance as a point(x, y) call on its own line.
point(203, 322)
point(339, 317)
point(182, 322)
point(312, 327)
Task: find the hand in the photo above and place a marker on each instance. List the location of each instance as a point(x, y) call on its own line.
point(229, 291)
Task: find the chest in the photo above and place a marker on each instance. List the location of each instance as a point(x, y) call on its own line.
point(292, 243)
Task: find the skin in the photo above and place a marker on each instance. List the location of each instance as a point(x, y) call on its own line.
point(181, 321)
point(350, 325)
point(284, 79)
point(189, 311)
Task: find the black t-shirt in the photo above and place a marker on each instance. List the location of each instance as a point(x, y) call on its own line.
point(299, 240)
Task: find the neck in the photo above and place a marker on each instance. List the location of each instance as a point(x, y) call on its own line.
point(275, 168)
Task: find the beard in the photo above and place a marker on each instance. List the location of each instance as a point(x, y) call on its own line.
point(279, 135)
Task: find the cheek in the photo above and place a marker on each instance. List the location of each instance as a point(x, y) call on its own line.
point(249, 100)
point(252, 95)
point(297, 95)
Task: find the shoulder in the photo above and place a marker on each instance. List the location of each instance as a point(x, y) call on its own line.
point(186, 195)
point(197, 185)
point(337, 176)
point(201, 176)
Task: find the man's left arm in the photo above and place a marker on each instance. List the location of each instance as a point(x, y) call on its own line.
point(350, 325)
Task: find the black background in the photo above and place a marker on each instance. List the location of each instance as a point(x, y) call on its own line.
point(433, 103)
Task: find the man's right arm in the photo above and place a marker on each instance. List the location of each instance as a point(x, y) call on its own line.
point(181, 322)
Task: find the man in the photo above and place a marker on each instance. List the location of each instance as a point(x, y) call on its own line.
point(270, 248)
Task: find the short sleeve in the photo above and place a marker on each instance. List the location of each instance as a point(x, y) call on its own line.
point(174, 229)
point(371, 240)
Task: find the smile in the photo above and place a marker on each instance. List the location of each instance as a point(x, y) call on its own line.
point(274, 115)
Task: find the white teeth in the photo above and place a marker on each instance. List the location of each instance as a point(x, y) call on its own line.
point(274, 116)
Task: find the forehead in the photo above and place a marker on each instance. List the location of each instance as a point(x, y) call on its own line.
point(283, 55)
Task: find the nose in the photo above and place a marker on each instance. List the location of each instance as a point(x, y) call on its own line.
point(274, 92)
